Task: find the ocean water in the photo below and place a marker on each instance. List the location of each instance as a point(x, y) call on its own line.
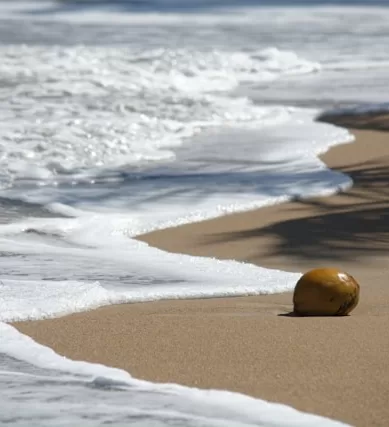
point(125, 117)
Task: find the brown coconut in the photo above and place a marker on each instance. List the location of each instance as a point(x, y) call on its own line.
point(325, 292)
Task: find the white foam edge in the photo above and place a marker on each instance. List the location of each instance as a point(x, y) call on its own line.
point(190, 276)
point(230, 404)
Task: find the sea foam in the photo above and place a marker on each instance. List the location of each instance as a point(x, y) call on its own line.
point(117, 123)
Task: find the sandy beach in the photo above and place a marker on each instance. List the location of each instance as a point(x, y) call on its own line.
point(335, 367)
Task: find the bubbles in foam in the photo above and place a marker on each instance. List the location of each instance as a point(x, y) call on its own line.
point(98, 121)
point(76, 108)
point(64, 386)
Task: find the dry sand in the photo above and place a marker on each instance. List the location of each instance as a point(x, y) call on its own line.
point(335, 367)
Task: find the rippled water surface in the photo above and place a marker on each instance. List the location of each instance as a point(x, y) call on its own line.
point(125, 117)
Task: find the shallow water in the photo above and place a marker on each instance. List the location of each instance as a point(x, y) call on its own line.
point(122, 121)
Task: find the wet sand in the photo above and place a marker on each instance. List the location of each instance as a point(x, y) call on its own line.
point(335, 367)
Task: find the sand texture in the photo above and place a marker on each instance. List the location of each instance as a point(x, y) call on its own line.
point(335, 367)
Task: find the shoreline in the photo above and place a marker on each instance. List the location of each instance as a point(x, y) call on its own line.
point(249, 344)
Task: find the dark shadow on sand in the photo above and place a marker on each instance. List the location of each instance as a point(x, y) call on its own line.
point(288, 314)
point(293, 314)
point(346, 231)
point(365, 120)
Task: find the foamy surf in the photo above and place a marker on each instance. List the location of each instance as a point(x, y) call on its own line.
point(120, 121)
point(62, 385)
